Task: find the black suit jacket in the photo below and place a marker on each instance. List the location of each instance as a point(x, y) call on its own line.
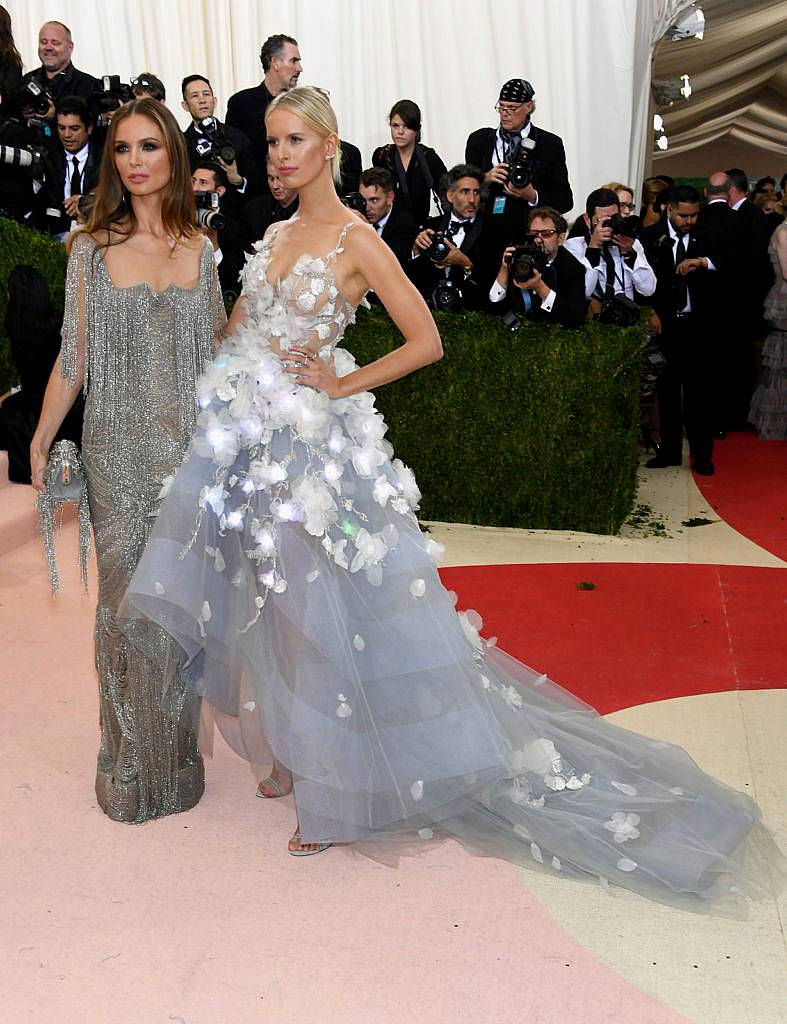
point(259, 213)
point(71, 82)
point(548, 160)
point(702, 284)
point(246, 112)
point(51, 195)
point(249, 166)
point(566, 276)
point(399, 234)
point(482, 247)
point(418, 200)
point(350, 167)
point(757, 273)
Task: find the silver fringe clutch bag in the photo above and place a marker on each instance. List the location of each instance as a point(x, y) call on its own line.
point(65, 481)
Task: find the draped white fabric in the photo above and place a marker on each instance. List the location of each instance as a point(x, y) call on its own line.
point(739, 82)
point(589, 62)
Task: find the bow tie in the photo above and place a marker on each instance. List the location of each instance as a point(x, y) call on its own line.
point(457, 225)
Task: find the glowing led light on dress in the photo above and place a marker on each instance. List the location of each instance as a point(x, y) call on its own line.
point(204, 401)
point(287, 402)
point(266, 379)
point(276, 473)
point(248, 486)
point(216, 437)
point(265, 541)
point(658, 123)
point(268, 578)
point(252, 428)
point(235, 519)
point(332, 471)
point(662, 142)
point(336, 444)
point(287, 511)
point(349, 528)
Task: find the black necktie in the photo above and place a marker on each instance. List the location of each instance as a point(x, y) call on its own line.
point(76, 181)
point(510, 140)
point(609, 284)
point(682, 287)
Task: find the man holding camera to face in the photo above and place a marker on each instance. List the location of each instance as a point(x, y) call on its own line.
point(209, 139)
point(209, 184)
point(453, 258)
point(619, 268)
point(524, 166)
point(539, 279)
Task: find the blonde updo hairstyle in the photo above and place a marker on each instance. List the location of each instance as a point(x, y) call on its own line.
point(312, 107)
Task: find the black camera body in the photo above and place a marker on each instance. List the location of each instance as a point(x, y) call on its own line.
point(629, 227)
point(112, 95)
point(355, 201)
point(619, 311)
point(520, 166)
point(212, 143)
point(446, 298)
point(209, 214)
point(37, 97)
point(30, 159)
point(439, 248)
point(525, 260)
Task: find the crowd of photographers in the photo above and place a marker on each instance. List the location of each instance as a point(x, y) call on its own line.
point(498, 241)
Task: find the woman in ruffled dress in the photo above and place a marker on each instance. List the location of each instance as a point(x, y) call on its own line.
point(288, 563)
point(768, 410)
point(143, 308)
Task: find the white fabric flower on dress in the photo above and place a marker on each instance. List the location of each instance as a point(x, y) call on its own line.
point(540, 756)
point(213, 497)
point(624, 826)
point(471, 622)
point(367, 461)
point(407, 484)
point(319, 508)
point(383, 490)
point(371, 549)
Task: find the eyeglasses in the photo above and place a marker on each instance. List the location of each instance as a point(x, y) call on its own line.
point(626, 206)
point(504, 108)
point(543, 232)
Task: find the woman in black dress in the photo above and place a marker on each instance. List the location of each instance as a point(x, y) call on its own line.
point(416, 168)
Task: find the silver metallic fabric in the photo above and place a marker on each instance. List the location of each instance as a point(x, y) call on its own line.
point(65, 485)
point(143, 353)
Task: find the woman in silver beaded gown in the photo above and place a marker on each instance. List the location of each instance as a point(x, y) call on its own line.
point(142, 310)
point(288, 563)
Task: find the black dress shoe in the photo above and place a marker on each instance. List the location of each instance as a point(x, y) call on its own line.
point(660, 462)
point(704, 468)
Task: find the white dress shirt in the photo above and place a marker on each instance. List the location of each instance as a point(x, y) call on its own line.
point(379, 227)
point(81, 158)
point(638, 278)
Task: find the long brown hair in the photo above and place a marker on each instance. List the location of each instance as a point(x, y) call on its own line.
point(112, 210)
point(8, 51)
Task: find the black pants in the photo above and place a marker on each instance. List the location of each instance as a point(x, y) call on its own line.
point(685, 390)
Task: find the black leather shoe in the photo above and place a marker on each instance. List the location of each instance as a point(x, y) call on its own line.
point(659, 462)
point(704, 468)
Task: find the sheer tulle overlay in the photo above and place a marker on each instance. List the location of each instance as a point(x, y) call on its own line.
point(288, 563)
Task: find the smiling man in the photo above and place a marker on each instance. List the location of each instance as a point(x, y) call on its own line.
point(57, 74)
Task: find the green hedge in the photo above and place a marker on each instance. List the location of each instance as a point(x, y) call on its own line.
point(19, 244)
point(536, 429)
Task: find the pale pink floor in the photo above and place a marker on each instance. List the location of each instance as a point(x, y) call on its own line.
point(203, 917)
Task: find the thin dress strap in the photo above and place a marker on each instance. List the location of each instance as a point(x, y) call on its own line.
point(342, 235)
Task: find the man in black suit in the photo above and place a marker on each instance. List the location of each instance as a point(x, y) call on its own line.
point(281, 64)
point(394, 224)
point(57, 76)
point(684, 260)
point(278, 203)
point(541, 154)
point(461, 277)
point(73, 161)
point(230, 241)
point(350, 167)
point(244, 174)
point(556, 293)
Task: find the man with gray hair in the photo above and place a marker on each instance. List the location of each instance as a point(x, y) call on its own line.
point(57, 77)
point(281, 64)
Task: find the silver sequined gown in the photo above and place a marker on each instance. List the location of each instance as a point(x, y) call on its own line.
point(289, 565)
point(143, 354)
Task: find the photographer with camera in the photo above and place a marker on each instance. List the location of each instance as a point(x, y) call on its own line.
point(278, 203)
point(524, 166)
point(395, 225)
point(619, 269)
point(227, 235)
point(454, 258)
point(538, 278)
point(72, 164)
point(20, 159)
point(209, 139)
point(57, 77)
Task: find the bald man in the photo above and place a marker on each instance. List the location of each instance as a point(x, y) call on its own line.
point(57, 75)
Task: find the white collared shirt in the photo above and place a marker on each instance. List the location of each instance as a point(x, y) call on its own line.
point(81, 157)
point(637, 279)
point(379, 227)
point(740, 203)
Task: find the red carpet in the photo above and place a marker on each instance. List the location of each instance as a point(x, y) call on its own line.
point(749, 490)
point(645, 633)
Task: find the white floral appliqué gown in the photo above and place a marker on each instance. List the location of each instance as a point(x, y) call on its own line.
point(288, 563)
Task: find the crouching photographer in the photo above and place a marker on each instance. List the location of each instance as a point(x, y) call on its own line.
point(453, 258)
point(21, 160)
point(228, 237)
point(619, 272)
point(539, 278)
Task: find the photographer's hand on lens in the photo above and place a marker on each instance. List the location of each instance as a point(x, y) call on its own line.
point(532, 284)
point(423, 240)
point(502, 274)
point(527, 193)
point(624, 243)
point(455, 258)
point(231, 170)
point(312, 371)
point(497, 175)
point(599, 236)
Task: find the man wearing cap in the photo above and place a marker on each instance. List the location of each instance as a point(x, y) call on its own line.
point(493, 150)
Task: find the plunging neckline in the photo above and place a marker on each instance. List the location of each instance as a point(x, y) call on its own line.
point(306, 256)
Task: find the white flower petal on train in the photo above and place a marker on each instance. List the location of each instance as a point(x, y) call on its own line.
point(624, 826)
point(435, 550)
point(536, 854)
point(358, 642)
point(417, 790)
point(206, 612)
point(218, 563)
point(312, 576)
point(159, 588)
point(624, 787)
point(418, 588)
point(344, 711)
point(250, 705)
point(556, 864)
point(425, 833)
point(627, 864)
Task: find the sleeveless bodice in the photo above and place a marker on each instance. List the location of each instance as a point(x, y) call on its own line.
point(306, 306)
